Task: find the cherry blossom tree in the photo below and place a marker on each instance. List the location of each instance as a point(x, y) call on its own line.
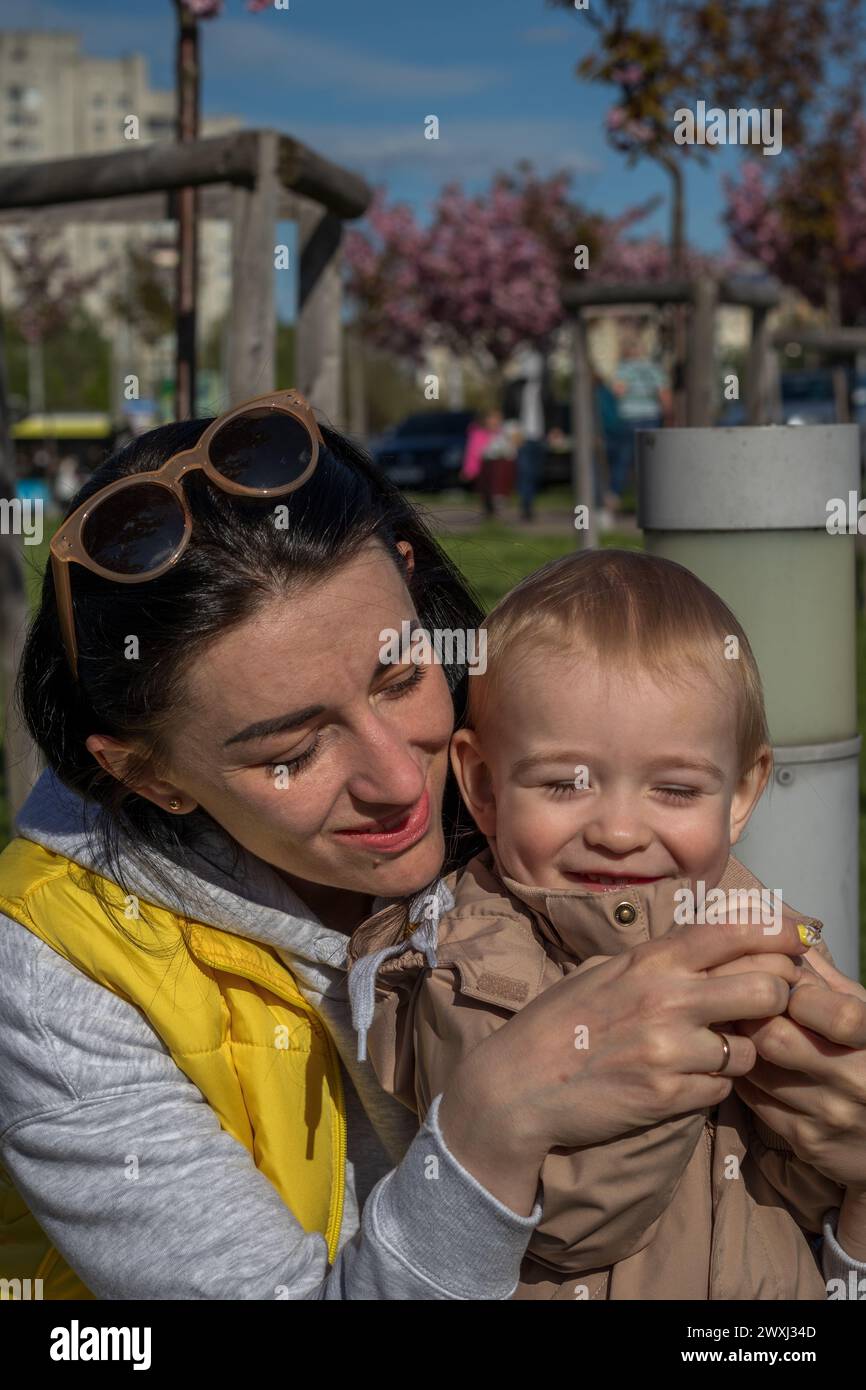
point(806, 221)
point(488, 271)
point(46, 292)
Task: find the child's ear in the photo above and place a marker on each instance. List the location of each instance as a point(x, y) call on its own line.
point(473, 779)
point(748, 793)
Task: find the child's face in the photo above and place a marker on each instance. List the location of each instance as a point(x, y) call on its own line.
point(581, 774)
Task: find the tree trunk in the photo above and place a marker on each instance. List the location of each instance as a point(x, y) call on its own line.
point(187, 215)
point(35, 377)
point(678, 272)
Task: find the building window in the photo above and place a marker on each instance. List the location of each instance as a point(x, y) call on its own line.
point(14, 93)
point(18, 55)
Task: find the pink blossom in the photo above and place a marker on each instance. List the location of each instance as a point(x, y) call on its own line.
point(204, 9)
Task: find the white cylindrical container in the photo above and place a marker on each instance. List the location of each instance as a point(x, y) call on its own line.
point(747, 510)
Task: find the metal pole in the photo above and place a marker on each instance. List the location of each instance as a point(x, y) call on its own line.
point(747, 510)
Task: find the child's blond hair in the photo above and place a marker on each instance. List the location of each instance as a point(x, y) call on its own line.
point(634, 611)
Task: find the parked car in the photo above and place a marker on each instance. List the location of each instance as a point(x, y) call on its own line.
point(425, 451)
point(808, 398)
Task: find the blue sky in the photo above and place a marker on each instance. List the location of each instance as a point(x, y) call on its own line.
point(355, 78)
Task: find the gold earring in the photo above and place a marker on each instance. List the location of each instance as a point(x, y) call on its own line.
point(174, 804)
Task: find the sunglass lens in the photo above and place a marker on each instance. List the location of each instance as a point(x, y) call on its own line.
point(135, 530)
point(262, 448)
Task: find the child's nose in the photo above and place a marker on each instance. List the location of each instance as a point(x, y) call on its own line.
point(616, 828)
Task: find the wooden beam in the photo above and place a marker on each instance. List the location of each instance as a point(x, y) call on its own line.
point(215, 203)
point(732, 290)
point(841, 340)
point(252, 326)
point(319, 333)
point(701, 355)
point(343, 193)
point(232, 158)
point(758, 374)
point(749, 294)
point(641, 292)
point(319, 238)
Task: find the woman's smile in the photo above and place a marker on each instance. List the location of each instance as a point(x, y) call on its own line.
point(393, 833)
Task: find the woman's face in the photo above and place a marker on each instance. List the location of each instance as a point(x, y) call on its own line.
point(310, 752)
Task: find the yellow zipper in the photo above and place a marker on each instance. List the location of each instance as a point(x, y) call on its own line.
point(338, 1147)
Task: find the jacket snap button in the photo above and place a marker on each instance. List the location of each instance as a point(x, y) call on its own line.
point(625, 913)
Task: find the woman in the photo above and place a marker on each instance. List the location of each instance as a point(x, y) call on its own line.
point(236, 780)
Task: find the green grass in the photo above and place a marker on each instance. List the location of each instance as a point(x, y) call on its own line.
point(494, 558)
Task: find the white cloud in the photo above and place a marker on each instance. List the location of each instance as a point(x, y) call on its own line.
point(466, 148)
point(276, 52)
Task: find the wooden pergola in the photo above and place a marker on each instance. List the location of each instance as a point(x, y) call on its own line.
point(702, 297)
point(252, 179)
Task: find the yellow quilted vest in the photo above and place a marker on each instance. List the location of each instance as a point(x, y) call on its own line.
point(234, 1021)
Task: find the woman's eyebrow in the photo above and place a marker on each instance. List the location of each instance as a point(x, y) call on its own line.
point(280, 724)
point(283, 723)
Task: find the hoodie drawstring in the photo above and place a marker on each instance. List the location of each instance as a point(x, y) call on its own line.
point(362, 976)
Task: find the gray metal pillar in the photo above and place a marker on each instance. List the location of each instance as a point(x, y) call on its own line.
point(747, 510)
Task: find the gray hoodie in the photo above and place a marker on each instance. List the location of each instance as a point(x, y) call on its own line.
point(84, 1078)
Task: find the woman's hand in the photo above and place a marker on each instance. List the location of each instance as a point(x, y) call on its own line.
point(809, 1084)
point(625, 1044)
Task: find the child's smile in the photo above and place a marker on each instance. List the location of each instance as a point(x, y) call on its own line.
point(606, 883)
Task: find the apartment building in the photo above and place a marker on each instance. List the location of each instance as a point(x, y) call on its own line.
point(57, 101)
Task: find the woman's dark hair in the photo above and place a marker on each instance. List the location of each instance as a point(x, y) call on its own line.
point(235, 558)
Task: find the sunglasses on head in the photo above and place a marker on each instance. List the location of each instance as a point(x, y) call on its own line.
point(137, 527)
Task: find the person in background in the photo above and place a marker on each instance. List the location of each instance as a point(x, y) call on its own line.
point(608, 426)
point(67, 480)
point(641, 388)
point(498, 464)
point(481, 433)
point(529, 401)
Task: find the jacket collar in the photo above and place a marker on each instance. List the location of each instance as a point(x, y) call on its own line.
point(582, 923)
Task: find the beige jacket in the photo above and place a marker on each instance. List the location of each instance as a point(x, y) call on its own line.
point(705, 1206)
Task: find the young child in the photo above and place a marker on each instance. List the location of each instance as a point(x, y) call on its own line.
point(616, 747)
